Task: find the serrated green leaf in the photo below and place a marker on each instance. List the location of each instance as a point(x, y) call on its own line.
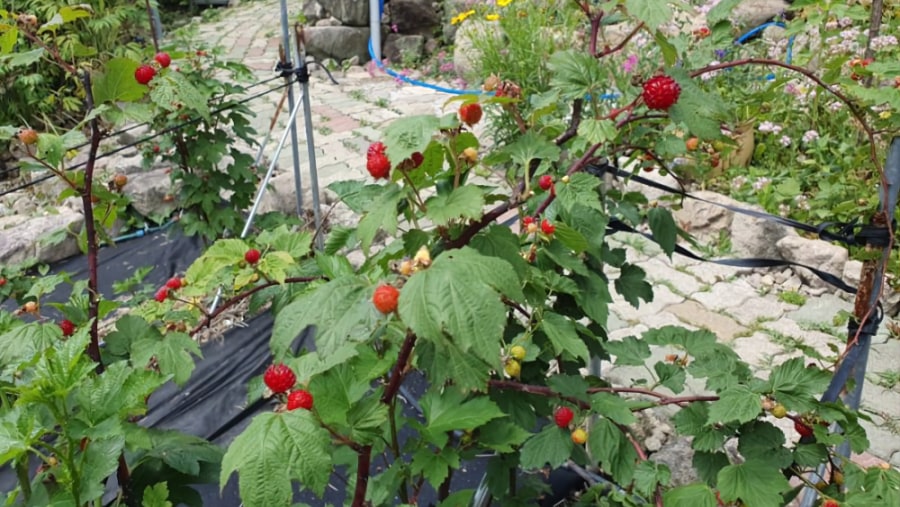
point(612, 407)
point(708, 464)
point(13, 444)
point(51, 148)
point(648, 474)
point(663, 227)
point(571, 238)
point(120, 390)
point(499, 241)
point(565, 339)
point(341, 310)
point(580, 190)
point(551, 446)
point(597, 131)
point(630, 351)
point(736, 404)
point(762, 441)
point(633, 286)
point(224, 254)
point(156, 496)
point(409, 134)
point(593, 296)
point(434, 464)
point(100, 460)
point(617, 456)
point(184, 453)
point(24, 58)
point(275, 449)
point(449, 410)
point(357, 195)
point(755, 483)
point(296, 244)
point(463, 202)
point(8, 39)
point(117, 83)
point(172, 352)
point(531, 146)
point(366, 419)
point(459, 297)
point(796, 386)
point(23, 343)
point(692, 495)
point(502, 435)
point(275, 265)
point(172, 91)
point(446, 362)
point(312, 363)
point(668, 50)
point(670, 375)
point(810, 455)
point(381, 214)
point(570, 386)
point(576, 75)
point(653, 13)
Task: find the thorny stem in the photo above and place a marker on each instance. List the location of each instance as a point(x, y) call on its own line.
point(364, 457)
point(54, 52)
point(620, 45)
point(662, 399)
point(244, 295)
point(854, 110)
point(572, 130)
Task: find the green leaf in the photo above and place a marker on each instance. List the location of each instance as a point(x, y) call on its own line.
point(692, 495)
point(721, 12)
point(224, 254)
point(13, 443)
point(736, 404)
point(531, 146)
point(120, 390)
point(653, 13)
point(117, 83)
point(184, 453)
point(499, 241)
point(796, 386)
point(571, 386)
point(382, 214)
point(459, 295)
point(434, 464)
point(100, 460)
point(502, 435)
point(172, 352)
point(612, 407)
point(700, 111)
point(577, 74)
point(275, 265)
point(8, 39)
point(708, 464)
point(446, 362)
point(23, 343)
point(630, 351)
point(668, 50)
point(156, 496)
point(810, 455)
point(24, 58)
point(551, 446)
point(341, 310)
point(755, 483)
point(357, 195)
point(51, 148)
point(663, 227)
point(446, 410)
point(633, 286)
point(562, 334)
point(670, 375)
point(580, 190)
point(597, 131)
point(466, 202)
point(296, 244)
point(593, 297)
point(335, 392)
point(762, 441)
point(617, 456)
point(172, 91)
point(648, 474)
point(409, 134)
point(571, 238)
point(275, 449)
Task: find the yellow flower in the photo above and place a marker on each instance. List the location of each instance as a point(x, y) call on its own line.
point(461, 17)
point(884, 115)
point(492, 17)
point(503, 3)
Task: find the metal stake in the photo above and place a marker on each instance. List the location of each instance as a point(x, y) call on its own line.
point(295, 148)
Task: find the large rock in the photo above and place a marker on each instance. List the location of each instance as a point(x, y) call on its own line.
point(151, 193)
point(313, 11)
point(752, 13)
point(704, 219)
point(402, 48)
point(678, 455)
point(350, 12)
point(418, 17)
point(338, 42)
point(48, 238)
point(814, 253)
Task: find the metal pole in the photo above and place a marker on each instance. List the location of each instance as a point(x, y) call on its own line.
point(295, 148)
point(303, 76)
point(375, 27)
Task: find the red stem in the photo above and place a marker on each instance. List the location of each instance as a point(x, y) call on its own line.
point(363, 462)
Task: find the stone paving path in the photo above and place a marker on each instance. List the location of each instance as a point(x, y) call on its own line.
point(763, 329)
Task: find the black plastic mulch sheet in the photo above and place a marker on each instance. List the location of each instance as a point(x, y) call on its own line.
point(213, 404)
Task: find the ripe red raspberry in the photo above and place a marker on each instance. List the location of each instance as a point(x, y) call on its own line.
point(563, 416)
point(660, 92)
point(2, 282)
point(162, 294)
point(163, 59)
point(831, 503)
point(378, 166)
point(174, 283)
point(528, 220)
point(385, 298)
point(252, 256)
point(68, 328)
point(803, 429)
point(470, 114)
point(279, 378)
point(545, 182)
point(376, 148)
point(144, 74)
point(547, 227)
point(299, 399)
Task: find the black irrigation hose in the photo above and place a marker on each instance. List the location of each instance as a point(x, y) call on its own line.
point(153, 136)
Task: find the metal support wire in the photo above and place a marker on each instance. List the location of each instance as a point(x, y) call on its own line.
point(295, 148)
point(860, 336)
point(303, 79)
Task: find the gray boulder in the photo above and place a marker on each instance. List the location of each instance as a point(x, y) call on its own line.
point(151, 193)
point(350, 12)
point(48, 238)
point(402, 48)
point(418, 17)
point(338, 42)
point(814, 253)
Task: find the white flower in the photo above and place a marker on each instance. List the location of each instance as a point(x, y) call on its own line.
point(785, 141)
point(768, 127)
point(810, 136)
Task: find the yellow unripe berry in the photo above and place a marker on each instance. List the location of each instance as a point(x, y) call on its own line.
point(517, 352)
point(579, 436)
point(513, 368)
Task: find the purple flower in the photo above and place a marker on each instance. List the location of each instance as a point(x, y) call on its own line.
point(630, 63)
point(721, 53)
point(810, 136)
point(785, 141)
